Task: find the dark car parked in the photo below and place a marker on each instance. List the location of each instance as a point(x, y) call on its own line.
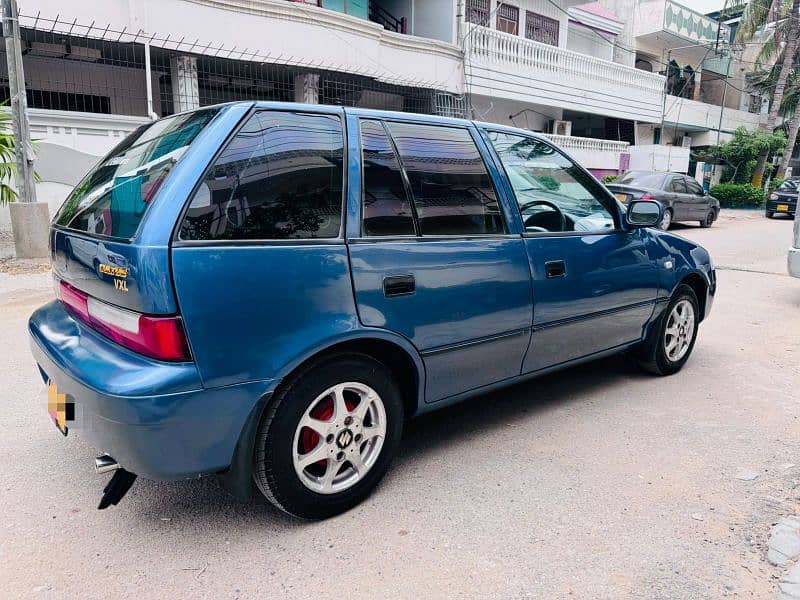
point(784, 199)
point(682, 197)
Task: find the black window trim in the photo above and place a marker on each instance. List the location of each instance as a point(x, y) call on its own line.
point(471, 131)
point(615, 211)
point(176, 242)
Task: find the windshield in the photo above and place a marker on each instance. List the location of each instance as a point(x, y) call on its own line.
point(112, 199)
point(790, 185)
point(644, 179)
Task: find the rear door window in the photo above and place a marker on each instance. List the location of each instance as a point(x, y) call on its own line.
point(280, 177)
point(450, 185)
point(387, 207)
point(113, 198)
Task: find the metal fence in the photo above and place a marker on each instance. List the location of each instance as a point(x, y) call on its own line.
point(79, 67)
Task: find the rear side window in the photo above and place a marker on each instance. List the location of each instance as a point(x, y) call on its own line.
point(279, 178)
point(387, 209)
point(451, 188)
point(112, 199)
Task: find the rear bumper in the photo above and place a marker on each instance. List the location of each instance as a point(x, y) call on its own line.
point(794, 262)
point(154, 418)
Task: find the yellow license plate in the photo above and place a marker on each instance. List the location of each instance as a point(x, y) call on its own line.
point(782, 207)
point(59, 408)
point(621, 197)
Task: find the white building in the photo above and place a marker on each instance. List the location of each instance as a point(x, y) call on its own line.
point(592, 73)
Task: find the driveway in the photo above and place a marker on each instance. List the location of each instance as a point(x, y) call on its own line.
point(597, 482)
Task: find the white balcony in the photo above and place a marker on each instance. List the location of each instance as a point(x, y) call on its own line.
point(594, 154)
point(701, 120)
point(507, 66)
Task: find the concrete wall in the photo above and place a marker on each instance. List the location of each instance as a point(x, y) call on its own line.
point(435, 19)
point(587, 41)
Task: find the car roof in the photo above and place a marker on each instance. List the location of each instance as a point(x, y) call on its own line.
point(383, 114)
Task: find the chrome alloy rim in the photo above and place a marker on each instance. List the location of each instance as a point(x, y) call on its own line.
point(680, 329)
point(666, 220)
point(339, 437)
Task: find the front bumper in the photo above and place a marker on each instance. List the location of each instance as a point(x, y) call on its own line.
point(154, 418)
point(794, 262)
point(772, 205)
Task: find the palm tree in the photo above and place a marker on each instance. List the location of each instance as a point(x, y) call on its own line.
point(765, 81)
point(779, 20)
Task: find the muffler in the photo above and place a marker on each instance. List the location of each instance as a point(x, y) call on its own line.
point(105, 464)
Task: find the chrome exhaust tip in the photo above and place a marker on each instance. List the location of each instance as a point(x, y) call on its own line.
point(105, 464)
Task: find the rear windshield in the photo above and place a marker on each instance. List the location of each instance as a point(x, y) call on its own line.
point(790, 185)
point(112, 199)
point(644, 179)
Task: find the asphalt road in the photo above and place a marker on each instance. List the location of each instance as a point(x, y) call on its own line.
point(598, 482)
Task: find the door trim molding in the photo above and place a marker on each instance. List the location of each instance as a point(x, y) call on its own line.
point(483, 340)
point(602, 313)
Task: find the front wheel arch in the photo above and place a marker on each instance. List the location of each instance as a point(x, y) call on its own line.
point(700, 288)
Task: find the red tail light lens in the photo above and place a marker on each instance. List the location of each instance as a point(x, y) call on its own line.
point(162, 338)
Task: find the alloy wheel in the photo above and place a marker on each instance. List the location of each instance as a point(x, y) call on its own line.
point(666, 220)
point(339, 437)
point(680, 330)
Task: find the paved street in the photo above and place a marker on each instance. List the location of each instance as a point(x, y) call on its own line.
point(598, 482)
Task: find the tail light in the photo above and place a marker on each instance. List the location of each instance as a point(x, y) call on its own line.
point(162, 338)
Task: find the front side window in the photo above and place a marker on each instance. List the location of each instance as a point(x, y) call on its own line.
point(693, 187)
point(553, 194)
point(280, 177)
point(451, 188)
point(112, 199)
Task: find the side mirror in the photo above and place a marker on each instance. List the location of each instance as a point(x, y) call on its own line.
point(644, 213)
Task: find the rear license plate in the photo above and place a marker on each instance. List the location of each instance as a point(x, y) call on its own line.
point(621, 197)
point(782, 207)
point(59, 408)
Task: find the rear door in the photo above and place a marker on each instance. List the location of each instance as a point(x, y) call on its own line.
point(696, 199)
point(682, 209)
point(433, 259)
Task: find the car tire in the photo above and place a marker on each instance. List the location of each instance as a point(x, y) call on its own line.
point(657, 354)
point(709, 220)
point(666, 220)
point(332, 484)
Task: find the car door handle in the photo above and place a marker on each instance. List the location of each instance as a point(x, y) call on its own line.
point(555, 268)
point(399, 285)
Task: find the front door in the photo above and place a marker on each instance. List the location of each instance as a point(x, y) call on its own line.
point(682, 209)
point(433, 260)
point(594, 286)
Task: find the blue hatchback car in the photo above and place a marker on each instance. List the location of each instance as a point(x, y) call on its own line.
point(267, 291)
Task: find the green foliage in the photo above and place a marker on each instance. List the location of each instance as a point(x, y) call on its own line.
point(774, 183)
point(610, 178)
point(740, 154)
point(548, 182)
point(735, 195)
point(8, 165)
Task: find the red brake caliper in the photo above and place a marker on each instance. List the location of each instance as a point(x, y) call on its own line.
point(323, 411)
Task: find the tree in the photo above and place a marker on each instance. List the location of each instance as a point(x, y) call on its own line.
point(778, 21)
point(740, 154)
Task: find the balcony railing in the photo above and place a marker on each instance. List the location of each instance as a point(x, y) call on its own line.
point(592, 153)
point(557, 63)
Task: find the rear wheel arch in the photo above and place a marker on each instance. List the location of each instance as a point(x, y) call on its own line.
point(407, 369)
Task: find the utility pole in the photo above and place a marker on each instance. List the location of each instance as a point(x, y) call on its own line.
point(26, 189)
point(30, 220)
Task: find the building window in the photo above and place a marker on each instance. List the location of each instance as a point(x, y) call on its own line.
point(507, 18)
point(541, 29)
point(478, 12)
point(755, 104)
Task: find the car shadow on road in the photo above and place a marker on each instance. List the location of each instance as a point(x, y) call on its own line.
point(204, 498)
